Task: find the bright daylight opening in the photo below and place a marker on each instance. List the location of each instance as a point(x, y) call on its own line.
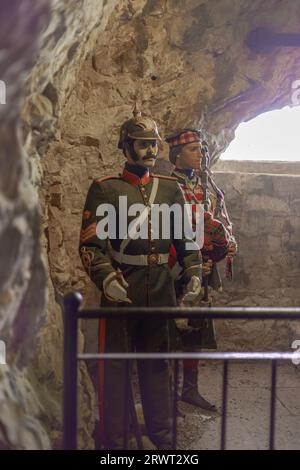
point(271, 136)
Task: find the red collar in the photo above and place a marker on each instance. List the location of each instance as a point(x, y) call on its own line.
point(134, 179)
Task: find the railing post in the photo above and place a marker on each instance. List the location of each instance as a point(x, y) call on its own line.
point(175, 405)
point(71, 306)
point(126, 406)
point(224, 405)
point(273, 404)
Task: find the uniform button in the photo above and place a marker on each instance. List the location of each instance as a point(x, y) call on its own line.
point(152, 248)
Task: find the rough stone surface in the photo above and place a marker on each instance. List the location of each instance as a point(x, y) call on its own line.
point(22, 278)
point(21, 412)
point(192, 68)
point(252, 166)
point(70, 37)
point(264, 212)
point(96, 59)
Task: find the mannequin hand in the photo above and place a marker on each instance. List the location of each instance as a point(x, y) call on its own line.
point(193, 289)
point(115, 288)
point(232, 250)
point(207, 267)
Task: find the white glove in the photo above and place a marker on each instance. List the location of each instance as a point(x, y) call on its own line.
point(193, 289)
point(115, 288)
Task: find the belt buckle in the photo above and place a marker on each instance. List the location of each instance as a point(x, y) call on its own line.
point(153, 259)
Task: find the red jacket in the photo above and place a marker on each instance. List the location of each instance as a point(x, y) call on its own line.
point(216, 237)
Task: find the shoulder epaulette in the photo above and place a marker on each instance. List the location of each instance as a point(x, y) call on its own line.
point(171, 178)
point(105, 178)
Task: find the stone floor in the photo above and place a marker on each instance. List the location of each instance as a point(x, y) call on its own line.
point(248, 408)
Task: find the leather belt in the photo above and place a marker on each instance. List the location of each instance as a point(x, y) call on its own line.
point(141, 260)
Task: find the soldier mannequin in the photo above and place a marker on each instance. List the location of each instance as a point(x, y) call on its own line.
point(186, 154)
point(136, 271)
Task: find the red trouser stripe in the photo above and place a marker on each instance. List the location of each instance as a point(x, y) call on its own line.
point(191, 364)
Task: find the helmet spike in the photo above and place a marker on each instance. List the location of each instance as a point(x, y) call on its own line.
point(136, 113)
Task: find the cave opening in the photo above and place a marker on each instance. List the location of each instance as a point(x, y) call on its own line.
point(271, 136)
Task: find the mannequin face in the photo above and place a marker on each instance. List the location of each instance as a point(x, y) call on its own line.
point(146, 152)
point(190, 157)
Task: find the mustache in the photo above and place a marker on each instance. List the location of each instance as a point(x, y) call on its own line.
point(149, 155)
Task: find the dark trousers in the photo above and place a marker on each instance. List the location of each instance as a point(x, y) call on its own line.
point(140, 336)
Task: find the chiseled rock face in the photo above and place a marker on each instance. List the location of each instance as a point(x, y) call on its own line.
point(29, 421)
point(185, 62)
point(266, 220)
point(21, 411)
point(19, 221)
point(71, 35)
point(22, 278)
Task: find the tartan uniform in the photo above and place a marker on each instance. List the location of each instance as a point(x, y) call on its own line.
point(216, 237)
point(215, 247)
point(149, 285)
point(200, 333)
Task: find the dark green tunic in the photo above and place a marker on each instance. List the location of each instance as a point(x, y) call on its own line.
point(150, 285)
point(155, 287)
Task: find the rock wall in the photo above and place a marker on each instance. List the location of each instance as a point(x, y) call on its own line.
point(71, 35)
point(186, 63)
point(30, 317)
point(262, 167)
point(265, 213)
point(22, 270)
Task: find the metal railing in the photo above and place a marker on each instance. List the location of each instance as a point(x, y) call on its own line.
point(73, 313)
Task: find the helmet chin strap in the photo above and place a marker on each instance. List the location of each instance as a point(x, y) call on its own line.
point(132, 153)
point(134, 157)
